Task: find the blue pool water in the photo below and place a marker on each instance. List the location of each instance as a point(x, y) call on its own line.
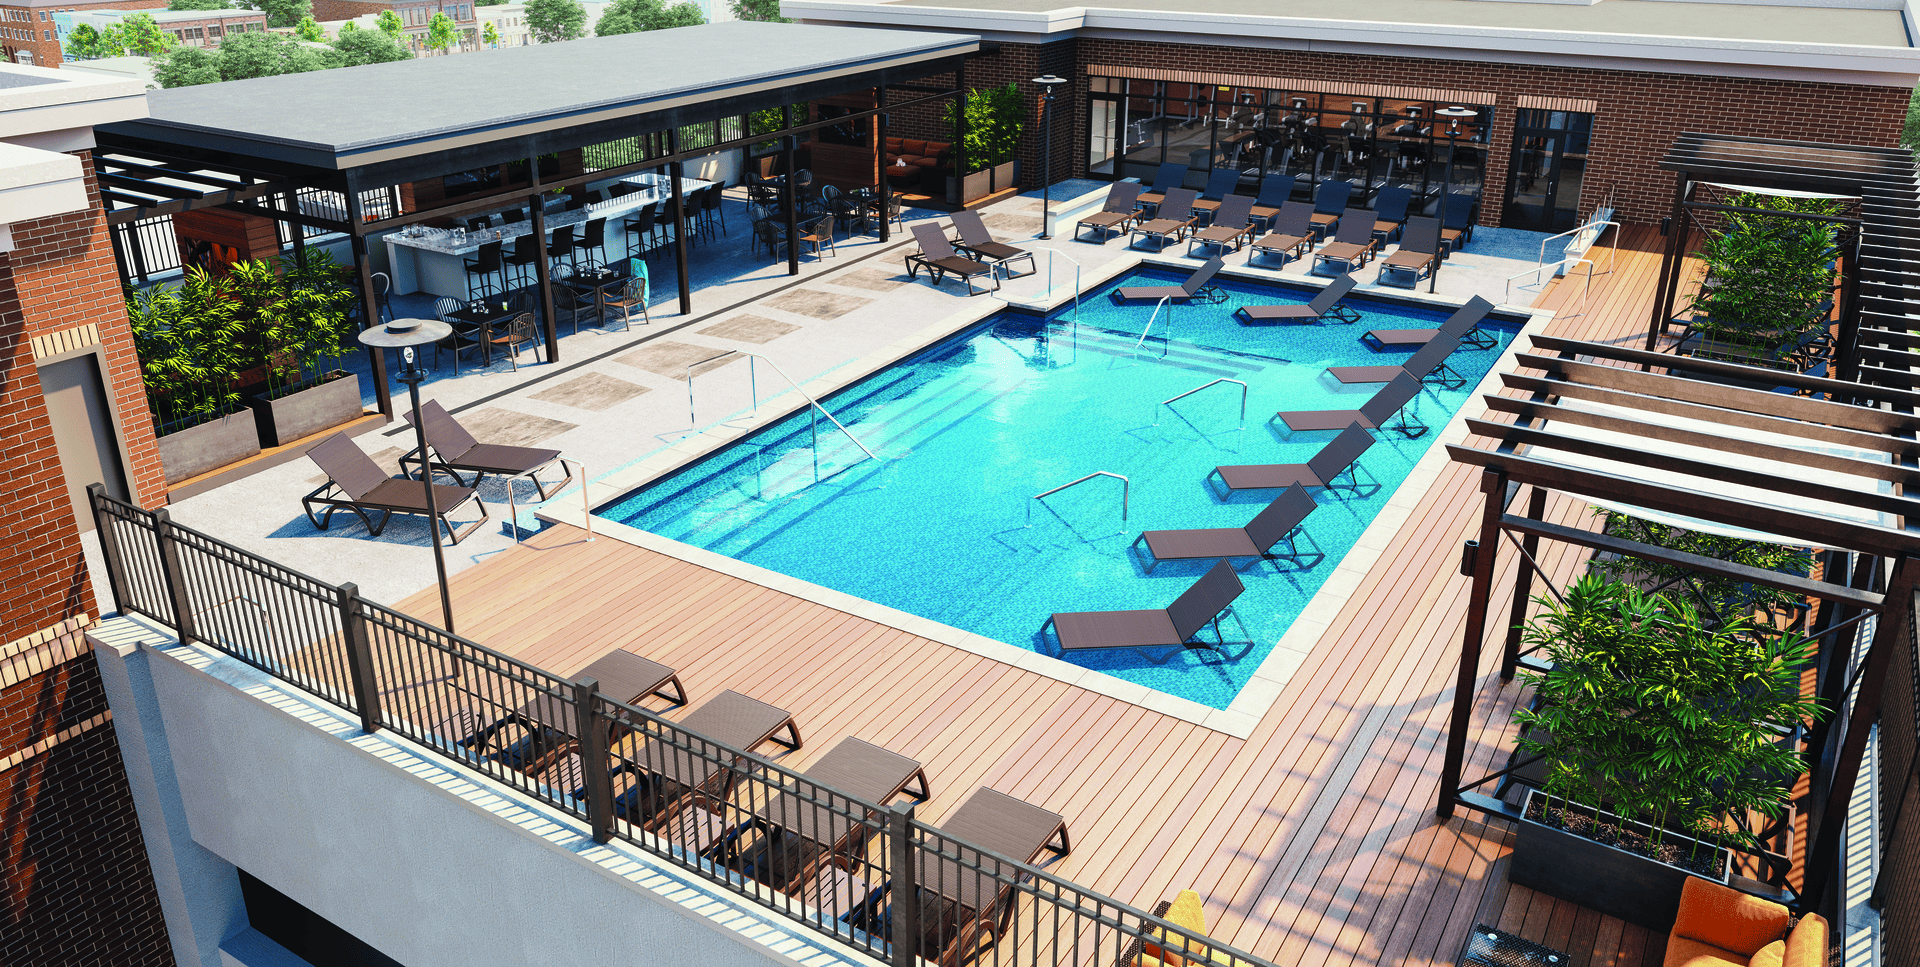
point(970, 429)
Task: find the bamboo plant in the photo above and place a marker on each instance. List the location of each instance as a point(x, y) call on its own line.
point(1766, 275)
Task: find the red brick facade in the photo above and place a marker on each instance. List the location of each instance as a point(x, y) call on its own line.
point(29, 26)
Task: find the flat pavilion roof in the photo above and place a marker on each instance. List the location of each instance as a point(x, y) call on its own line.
point(383, 113)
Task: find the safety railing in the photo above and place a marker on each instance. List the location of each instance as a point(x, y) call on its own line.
point(1166, 302)
point(753, 388)
point(1126, 492)
point(866, 873)
point(1599, 227)
point(1182, 396)
point(999, 292)
point(1585, 289)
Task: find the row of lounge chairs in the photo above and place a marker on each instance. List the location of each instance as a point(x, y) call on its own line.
point(971, 254)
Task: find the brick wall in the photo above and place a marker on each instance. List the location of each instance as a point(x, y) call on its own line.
point(75, 885)
point(47, 53)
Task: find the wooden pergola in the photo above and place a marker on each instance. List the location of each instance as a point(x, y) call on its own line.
point(1599, 423)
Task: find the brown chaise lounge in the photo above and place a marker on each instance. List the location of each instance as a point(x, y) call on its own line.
point(1372, 414)
point(937, 254)
point(1389, 213)
point(1334, 459)
point(1351, 248)
point(356, 483)
point(1429, 362)
point(1324, 305)
point(1232, 225)
point(977, 241)
point(1170, 175)
point(1291, 232)
point(964, 901)
point(1172, 221)
point(1276, 523)
point(1117, 215)
point(805, 843)
point(654, 779)
point(1173, 626)
point(456, 451)
point(1419, 250)
point(1463, 325)
point(1178, 293)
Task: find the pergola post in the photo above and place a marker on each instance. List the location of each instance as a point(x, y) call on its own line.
point(1670, 261)
point(956, 191)
point(369, 301)
point(1522, 587)
point(542, 272)
point(675, 171)
point(790, 192)
point(1847, 349)
point(880, 185)
point(1479, 561)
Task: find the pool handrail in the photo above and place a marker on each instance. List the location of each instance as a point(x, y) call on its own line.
point(1182, 396)
point(1601, 225)
point(1569, 263)
point(1166, 302)
point(586, 505)
point(1126, 492)
point(753, 388)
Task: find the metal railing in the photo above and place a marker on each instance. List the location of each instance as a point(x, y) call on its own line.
point(1048, 291)
point(148, 247)
point(753, 387)
point(1585, 290)
point(728, 815)
point(1600, 227)
point(1166, 302)
point(1182, 396)
point(1126, 492)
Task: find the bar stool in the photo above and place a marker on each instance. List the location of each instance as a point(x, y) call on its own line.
point(485, 266)
point(710, 210)
point(479, 223)
point(512, 215)
point(641, 224)
point(562, 248)
point(594, 239)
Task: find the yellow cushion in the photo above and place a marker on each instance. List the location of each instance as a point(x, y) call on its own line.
point(1683, 952)
point(1186, 912)
point(1806, 946)
point(1771, 955)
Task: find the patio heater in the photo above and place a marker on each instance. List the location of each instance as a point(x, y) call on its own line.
point(405, 335)
point(1047, 83)
point(1453, 115)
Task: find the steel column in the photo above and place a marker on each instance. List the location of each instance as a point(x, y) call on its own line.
point(594, 769)
point(542, 272)
point(790, 194)
point(369, 304)
point(1670, 262)
point(675, 171)
point(353, 633)
point(905, 927)
point(1493, 487)
point(879, 155)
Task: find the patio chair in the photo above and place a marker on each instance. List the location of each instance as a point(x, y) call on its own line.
point(1321, 470)
point(1324, 305)
point(656, 780)
point(937, 255)
point(1329, 203)
point(633, 295)
point(1169, 176)
point(1117, 215)
point(455, 451)
point(1170, 627)
point(818, 234)
point(804, 839)
point(356, 483)
point(1196, 285)
point(519, 331)
point(1429, 364)
point(1463, 325)
point(567, 299)
point(1220, 183)
point(1419, 251)
point(1164, 226)
point(1462, 210)
point(1231, 225)
point(977, 241)
point(1390, 213)
point(1274, 193)
point(1351, 248)
point(1392, 399)
point(1277, 522)
point(1291, 233)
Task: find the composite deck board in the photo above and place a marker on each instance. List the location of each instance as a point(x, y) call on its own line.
point(1313, 840)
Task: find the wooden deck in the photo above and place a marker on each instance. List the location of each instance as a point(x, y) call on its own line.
point(1314, 841)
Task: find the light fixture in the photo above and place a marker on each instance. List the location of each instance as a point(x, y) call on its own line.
point(1047, 83)
point(406, 335)
point(1453, 114)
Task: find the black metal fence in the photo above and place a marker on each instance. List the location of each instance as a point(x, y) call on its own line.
point(868, 874)
point(148, 246)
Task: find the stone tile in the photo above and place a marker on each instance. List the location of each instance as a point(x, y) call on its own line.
point(510, 428)
point(388, 459)
point(593, 391)
point(815, 303)
point(749, 328)
point(878, 280)
point(1004, 224)
point(671, 359)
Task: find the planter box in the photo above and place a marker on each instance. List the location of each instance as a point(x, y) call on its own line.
point(208, 446)
point(1602, 878)
point(332, 400)
point(980, 184)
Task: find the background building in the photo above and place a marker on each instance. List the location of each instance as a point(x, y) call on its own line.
point(415, 15)
point(30, 29)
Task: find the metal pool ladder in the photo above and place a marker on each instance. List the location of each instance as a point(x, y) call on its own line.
point(1047, 293)
point(1126, 492)
point(1182, 396)
point(1166, 302)
point(753, 387)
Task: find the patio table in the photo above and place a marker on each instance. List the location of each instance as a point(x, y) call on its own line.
point(598, 281)
point(483, 317)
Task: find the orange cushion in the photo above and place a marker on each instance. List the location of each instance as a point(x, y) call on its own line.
point(923, 162)
point(1806, 946)
point(1727, 918)
point(1770, 955)
point(913, 148)
point(1682, 952)
point(893, 145)
point(937, 147)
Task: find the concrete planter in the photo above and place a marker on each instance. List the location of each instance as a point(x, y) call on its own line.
point(982, 183)
point(321, 404)
point(1603, 878)
point(208, 446)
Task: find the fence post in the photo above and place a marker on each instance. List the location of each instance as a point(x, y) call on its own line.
point(353, 631)
point(109, 546)
point(905, 928)
point(593, 759)
point(175, 574)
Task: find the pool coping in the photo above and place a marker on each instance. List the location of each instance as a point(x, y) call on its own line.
point(1267, 682)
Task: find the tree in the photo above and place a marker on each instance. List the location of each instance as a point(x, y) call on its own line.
point(357, 47)
point(440, 35)
point(310, 30)
point(763, 10)
point(82, 43)
point(248, 55)
point(490, 34)
point(187, 66)
point(488, 3)
point(282, 13)
point(552, 21)
point(389, 24)
point(633, 16)
point(348, 26)
point(198, 5)
point(140, 34)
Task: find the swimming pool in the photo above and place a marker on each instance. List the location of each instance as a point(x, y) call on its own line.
point(944, 526)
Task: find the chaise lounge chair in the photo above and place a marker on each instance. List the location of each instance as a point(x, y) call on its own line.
point(1171, 627)
point(1276, 523)
point(1463, 325)
point(1329, 204)
point(1351, 248)
point(1230, 225)
point(804, 845)
point(1324, 305)
point(1172, 221)
point(1117, 215)
point(1334, 459)
point(1372, 414)
point(654, 779)
point(1196, 284)
point(1292, 233)
point(1429, 363)
point(1389, 213)
point(1462, 209)
point(356, 483)
point(456, 451)
point(1170, 175)
point(1220, 183)
point(937, 254)
point(1418, 253)
point(977, 241)
point(1273, 196)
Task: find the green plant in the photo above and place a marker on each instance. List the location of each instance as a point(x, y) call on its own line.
point(1721, 597)
point(995, 118)
point(1766, 273)
point(440, 33)
point(490, 34)
point(309, 30)
point(553, 21)
point(187, 338)
point(82, 43)
point(282, 13)
point(763, 10)
point(356, 47)
point(389, 24)
point(633, 16)
point(137, 34)
point(1661, 717)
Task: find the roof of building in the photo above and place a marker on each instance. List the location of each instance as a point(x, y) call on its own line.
point(172, 16)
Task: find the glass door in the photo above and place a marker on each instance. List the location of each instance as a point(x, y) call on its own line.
point(1548, 170)
point(1104, 128)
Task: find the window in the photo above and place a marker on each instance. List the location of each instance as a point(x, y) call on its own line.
point(213, 31)
point(194, 35)
point(48, 33)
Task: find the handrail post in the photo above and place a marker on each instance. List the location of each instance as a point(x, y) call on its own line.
point(594, 769)
point(175, 574)
point(109, 546)
point(353, 631)
point(905, 928)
